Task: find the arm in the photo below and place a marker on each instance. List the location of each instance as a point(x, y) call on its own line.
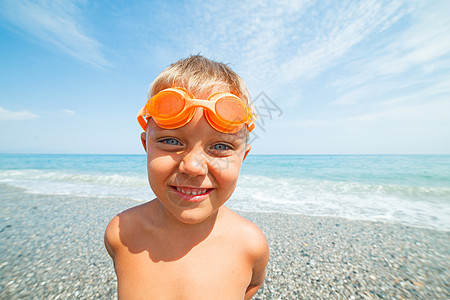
point(251, 291)
point(112, 238)
point(260, 257)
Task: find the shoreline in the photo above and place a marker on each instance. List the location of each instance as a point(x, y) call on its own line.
point(344, 219)
point(52, 247)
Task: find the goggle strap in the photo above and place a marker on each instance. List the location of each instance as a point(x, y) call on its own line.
point(142, 122)
point(250, 126)
point(141, 119)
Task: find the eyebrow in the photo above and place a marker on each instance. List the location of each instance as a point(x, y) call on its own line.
point(234, 136)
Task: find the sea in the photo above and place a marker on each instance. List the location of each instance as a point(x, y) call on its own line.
point(411, 190)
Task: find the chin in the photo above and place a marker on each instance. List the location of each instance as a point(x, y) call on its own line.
point(192, 218)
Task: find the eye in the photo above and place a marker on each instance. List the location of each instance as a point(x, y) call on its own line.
point(171, 142)
point(221, 147)
point(221, 150)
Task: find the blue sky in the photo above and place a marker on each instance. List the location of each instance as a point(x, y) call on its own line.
point(337, 77)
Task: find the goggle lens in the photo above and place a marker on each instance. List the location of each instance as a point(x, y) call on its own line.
point(231, 110)
point(167, 104)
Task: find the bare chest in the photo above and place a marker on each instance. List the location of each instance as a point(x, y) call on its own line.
point(212, 272)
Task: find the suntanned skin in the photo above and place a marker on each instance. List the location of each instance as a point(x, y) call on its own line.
point(156, 263)
point(170, 248)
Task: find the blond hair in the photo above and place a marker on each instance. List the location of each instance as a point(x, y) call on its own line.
point(200, 76)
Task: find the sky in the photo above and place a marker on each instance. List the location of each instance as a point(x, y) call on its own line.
point(326, 77)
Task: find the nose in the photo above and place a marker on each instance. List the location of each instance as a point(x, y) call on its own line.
point(194, 163)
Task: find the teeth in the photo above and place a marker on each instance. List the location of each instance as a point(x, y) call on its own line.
point(191, 192)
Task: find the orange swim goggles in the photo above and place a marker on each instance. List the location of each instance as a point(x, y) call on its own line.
point(175, 107)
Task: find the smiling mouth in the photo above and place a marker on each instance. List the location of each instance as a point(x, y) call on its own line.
point(192, 194)
point(191, 191)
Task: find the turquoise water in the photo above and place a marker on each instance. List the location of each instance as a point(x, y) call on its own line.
point(406, 189)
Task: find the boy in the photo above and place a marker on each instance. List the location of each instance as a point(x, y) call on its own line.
point(185, 244)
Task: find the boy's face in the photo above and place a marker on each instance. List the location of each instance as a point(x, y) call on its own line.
point(194, 169)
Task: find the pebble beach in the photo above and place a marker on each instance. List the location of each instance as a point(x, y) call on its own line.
point(51, 247)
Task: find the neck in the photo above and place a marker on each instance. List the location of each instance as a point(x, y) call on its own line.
point(174, 226)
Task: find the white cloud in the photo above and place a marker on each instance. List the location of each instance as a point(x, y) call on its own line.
point(56, 23)
point(305, 123)
point(403, 80)
point(350, 98)
point(282, 43)
point(429, 104)
point(422, 45)
point(247, 34)
point(69, 112)
point(338, 31)
point(7, 115)
point(436, 111)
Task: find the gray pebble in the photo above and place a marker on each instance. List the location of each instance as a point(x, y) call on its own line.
point(51, 247)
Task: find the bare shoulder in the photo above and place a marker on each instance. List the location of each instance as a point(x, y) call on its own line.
point(253, 242)
point(124, 225)
point(249, 235)
point(112, 238)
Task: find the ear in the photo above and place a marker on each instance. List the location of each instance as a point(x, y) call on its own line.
point(144, 140)
point(247, 150)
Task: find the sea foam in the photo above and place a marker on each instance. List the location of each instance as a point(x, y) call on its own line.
point(411, 190)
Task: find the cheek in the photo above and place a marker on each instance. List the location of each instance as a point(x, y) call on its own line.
point(228, 176)
point(159, 167)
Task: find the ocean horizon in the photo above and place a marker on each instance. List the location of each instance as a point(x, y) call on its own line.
point(410, 189)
